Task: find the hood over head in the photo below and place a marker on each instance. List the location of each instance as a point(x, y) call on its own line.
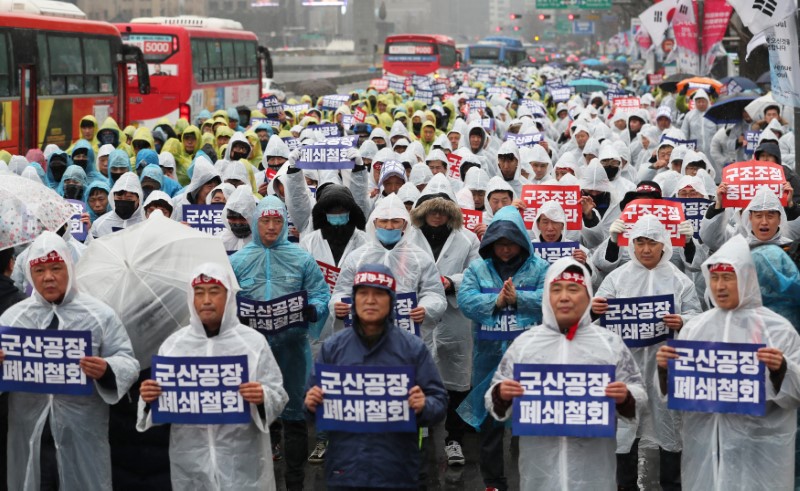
point(555, 270)
point(736, 252)
point(51, 247)
point(764, 200)
point(648, 226)
point(507, 223)
point(216, 274)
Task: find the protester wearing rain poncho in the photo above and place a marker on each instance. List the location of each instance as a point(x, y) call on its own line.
point(568, 462)
point(124, 210)
point(89, 165)
point(697, 127)
point(77, 183)
point(734, 451)
point(71, 431)
point(509, 266)
point(205, 178)
point(239, 207)
point(550, 225)
point(602, 210)
point(650, 272)
point(57, 165)
point(439, 231)
point(269, 267)
point(224, 457)
point(509, 168)
point(762, 222)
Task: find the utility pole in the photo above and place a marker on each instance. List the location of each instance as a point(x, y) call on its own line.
point(702, 61)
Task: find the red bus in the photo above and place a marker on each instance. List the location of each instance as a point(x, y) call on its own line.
point(195, 63)
point(55, 68)
point(420, 54)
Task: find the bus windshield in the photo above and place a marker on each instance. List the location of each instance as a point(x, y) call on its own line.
point(157, 48)
point(484, 53)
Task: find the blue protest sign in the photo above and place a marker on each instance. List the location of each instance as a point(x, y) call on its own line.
point(332, 102)
point(525, 139)
point(45, 361)
point(276, 315)
point(270, 106)
point(328, 154)
point(506, 327)
point(439, 88)
point(694, 209)
point(365, 399)
point(397, 85)
point(406, 302)
point(564, 400)
point(77, 228)
point(347, 121)
point(476, 104)
point(425, 96)
point(751, 142)
point(200, 390)
point(553, 251)
point(273, 123)
point(561, 93)
point(297, 108)
point(291, 142)
point(503, 91)
point(639, 320)
point(690, 144)
point(716, 378)
point(205, 218)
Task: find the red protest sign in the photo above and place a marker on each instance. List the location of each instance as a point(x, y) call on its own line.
point(655, 79)
point(669, 213)
point(744, 179)
point(359, 115)
point(380, 84)
point(330, 273)
point(472, 218)
point(454, 166)
point(626, 104)
point(569, 197)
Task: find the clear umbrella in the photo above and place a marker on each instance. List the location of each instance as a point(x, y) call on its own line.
point(27, 208)
point(142, 272)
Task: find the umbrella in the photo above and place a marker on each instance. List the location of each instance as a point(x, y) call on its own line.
point(690, 85)
point(756, 108)
point(143, 273)
point(728, 109)
point(591, 62)
point(586, 85)
point(735, 85)
point(27, 208)
point(764, 78)
point(671, 82)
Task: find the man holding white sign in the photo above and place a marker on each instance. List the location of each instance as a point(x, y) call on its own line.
point(736, 451)
point(568, 337)
point(230, 456)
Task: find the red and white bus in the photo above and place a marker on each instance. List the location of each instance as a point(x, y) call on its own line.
point(420, 54)
point(55, 68)
point(195, 63)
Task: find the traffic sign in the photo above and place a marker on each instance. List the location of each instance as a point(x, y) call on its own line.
point(563, 24)
point(552, 4)
point(595, 4)
point(583, 27)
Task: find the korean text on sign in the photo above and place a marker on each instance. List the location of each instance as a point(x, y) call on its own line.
point(744, 179)
point(330, 273)
point(328, 154)
point(525, 139)
point(454, 165)
point(365, 399)
point(639, 320)
point(626, 104)
point(569, 197)
point(380, 84)
point(328, 130)
point(45, 361)
point(751, 142)
point(472, 218)
point(564, 400)
point(406, 302)
point(76, 227)
point(200, 390)
point(205, 218)
point(506, 327)
point(716, 378)
point(553, 251)
point(332, 102)
point(270, 106)
point(690, 144)
point(668, 212)
point(694, 209)
point(276, 315)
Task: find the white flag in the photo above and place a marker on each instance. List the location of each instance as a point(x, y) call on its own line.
point(758, 15)
point(655, 20)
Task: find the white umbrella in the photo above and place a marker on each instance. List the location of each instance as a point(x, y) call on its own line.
point(27, 208)
point(143, 272)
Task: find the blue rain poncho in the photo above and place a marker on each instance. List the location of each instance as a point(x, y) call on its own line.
point(73, 173)
point(118, 159)
point(266, 272)
point(88, 192)
point(51, 181)
point(91, 166)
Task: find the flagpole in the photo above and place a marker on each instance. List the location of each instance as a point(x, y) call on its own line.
point(700, 24)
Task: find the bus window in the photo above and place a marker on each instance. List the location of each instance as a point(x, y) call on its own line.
point(199, 60)
point(228, 60)
point(43, 65)
point(66, 65)
point(447, 55)
point(252, 59)
point(241, 59)
point(7, 85)
point(215, 60)
point(98, 66)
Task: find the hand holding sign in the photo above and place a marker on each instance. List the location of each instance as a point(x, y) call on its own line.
point(313, 398)
point(772, 358)
point(149, 390)
point(252, 392)
point(94, 367)
point(510, 389)
point(416, 399)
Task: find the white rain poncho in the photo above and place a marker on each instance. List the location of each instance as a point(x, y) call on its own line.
point(538, 154)
point(495, 184)
point(594, 177)
point(110, 222)
point(408, 193)
point(475, 180)
point(452, 337)
point(223, 457)
point(225, 188)
point(697, 127)
point(733, 451)
point(554, 211)
point(657, 425)
point(517, 181)
point(567, 462)
point(413, 268)
point(18, 275)
point(79, 424)
point(241, 201)
point(204, 171)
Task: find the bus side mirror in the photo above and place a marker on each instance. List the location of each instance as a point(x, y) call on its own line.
point(459, 57)
point(263, 53)
point(132, 54)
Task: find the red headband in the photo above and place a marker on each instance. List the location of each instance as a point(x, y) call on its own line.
point(571, 277)
point(721, 268)
point(271, 213)
point(50, 257)
point(206, 280)
point(646, 188)
point(378, 279)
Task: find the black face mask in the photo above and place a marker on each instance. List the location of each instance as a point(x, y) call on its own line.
point(611, 172)
point(380, 147)
point(81, 163)
point(124, 208)
point(58, 168)
point(238, 155)
point(240, 230)
point(147, 190)
point(116, 175)
point(417, 127)
point(263, 144)
point(73, 191)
